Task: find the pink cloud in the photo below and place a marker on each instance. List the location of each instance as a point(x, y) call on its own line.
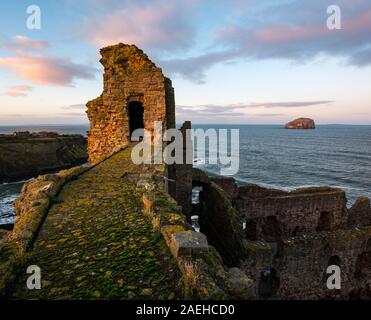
point(288, 34)
point(360, 23)
point(351, 26)
point(22, 44)
point(161, 24)
point(17, 91)
point(46, 70)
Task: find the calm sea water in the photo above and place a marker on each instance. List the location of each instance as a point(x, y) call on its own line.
point(334, 155)
point(8, 193)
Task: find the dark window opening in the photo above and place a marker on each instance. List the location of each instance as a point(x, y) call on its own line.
point(271, 229)
point(325, 221)
point(296, 231)
point(269, 283)
point(136, 112)
point(251, 230)
point(334, 260)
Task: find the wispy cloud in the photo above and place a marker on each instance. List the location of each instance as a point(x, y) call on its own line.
point(237, 112)
point(269, 115)
point(207, 111)
point(23, 44)
point(219, 109)
point(289, 104)
point(47, 70)
point(250, 30)
point(298, 31)
point(157, 25)
point(72, 114)
point(195, 68)
point(40, 68)
point(295, 31)
point(75, 107)
point(17, 91)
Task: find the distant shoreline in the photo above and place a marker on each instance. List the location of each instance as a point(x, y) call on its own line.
point(193, 123)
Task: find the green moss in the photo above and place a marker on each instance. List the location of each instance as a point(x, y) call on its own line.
point(255, 247)
point(96, 242)
point(212, 258)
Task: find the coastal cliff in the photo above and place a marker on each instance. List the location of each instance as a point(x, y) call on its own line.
point(112, 230)
point(301, 123)
point(24, 155)
point(142, 249)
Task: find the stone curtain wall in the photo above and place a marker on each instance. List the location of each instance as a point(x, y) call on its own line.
point(129, 76)
point(275, 213)
point(294, 236)
point(298, 234)
point(301, 264)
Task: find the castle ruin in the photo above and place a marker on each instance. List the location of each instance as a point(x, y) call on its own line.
point(284, 241)
point(135, 95)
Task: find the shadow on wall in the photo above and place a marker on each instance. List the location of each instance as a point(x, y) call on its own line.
point(218, 219)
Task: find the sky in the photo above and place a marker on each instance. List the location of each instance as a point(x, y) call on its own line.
point(231, 61)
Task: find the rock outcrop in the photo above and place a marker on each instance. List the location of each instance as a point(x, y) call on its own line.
point(301, 123)
point(24, 155)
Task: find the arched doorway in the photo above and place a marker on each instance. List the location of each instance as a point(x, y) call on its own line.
point(136, 112)
point(251, 230)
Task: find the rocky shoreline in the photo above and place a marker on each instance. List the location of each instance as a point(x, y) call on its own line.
point(25, 155)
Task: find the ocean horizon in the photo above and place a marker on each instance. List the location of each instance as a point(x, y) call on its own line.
point(270, 156)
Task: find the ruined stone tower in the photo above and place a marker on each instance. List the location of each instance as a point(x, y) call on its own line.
point(135, 94)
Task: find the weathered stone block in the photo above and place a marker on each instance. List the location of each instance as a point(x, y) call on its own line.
point(186, 243)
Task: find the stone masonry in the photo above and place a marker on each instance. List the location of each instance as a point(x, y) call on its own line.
point(285, 241)
point(135, 94)
point(179, 184)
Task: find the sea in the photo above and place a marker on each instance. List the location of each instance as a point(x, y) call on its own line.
point(270, 156)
